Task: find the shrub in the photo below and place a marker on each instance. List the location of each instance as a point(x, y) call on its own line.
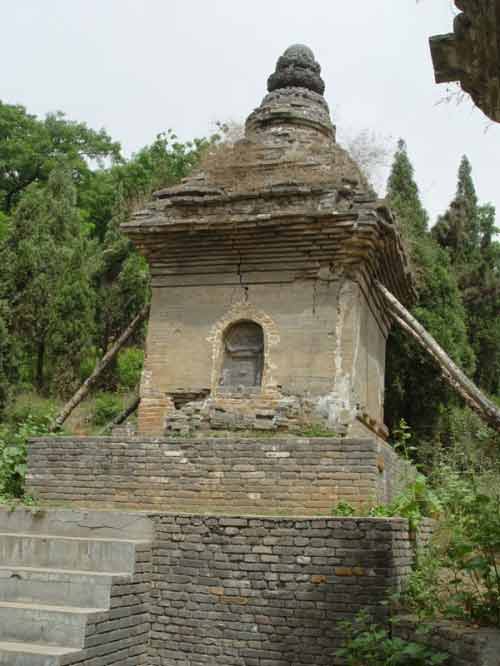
point(31, 407)
point(369, 643)
point(415, 502)
point(129, 365)
point(13, 452)
point(344, 509)
point(106, 407)
point(88, 363)
point(459, 575)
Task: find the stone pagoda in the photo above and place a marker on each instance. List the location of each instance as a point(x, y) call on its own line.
point(263, 312)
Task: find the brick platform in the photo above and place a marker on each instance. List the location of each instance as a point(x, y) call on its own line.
point(257, 475)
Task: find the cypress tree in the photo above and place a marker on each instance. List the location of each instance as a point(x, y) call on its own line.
point(123, 280)
point(458, 229)
point(49, 275)
point(467, 232)
point(403, 195)
point(415, 391)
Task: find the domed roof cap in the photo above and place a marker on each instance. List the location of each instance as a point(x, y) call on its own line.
point(297, 68)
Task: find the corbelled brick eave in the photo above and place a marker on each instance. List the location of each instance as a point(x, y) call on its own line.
point(470, 55)
point(308, 234)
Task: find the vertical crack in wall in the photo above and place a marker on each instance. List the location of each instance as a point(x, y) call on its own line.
point(315, 295)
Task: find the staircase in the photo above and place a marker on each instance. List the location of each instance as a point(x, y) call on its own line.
point(74, 588)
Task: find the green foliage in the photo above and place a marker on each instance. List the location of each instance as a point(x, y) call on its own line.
point(459, 574)
point(458, 229)
point(317, 430)
point(71, 282)
point(404, 196)
point(4, 226)
point(30, 406)
point(47, 257)
point(402, 440)
point(128, 184)
point(13, 451)
point(344, 509)
point(106, 407)
point(122, 281)
point(88, 363)
point(370, 643)
point(416, 501)
point(467, 232)
point(129, 367)
point(439, 309)
point(30, 149)
point(7, 356)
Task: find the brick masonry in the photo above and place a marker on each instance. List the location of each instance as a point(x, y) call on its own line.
point(466, 645)
point(121, 635)
point(256, 475)
point(246, 591)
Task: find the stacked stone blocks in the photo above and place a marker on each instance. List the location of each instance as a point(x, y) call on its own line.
point(267, 591)
point(269, 475)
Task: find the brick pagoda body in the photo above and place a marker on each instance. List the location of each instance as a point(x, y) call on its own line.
point(207, 537)
point(263, 314)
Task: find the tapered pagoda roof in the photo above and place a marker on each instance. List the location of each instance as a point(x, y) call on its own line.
point(285, 189)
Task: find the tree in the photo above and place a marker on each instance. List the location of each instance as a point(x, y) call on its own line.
point(122, 281)
point(458, 229)
point(163, 163)
point(404, 196)
point(31, 148)
point(123, 275)
point(410, 374)
point(8, 358)
point(47, 255)
point(467, 233)
point(71, 282)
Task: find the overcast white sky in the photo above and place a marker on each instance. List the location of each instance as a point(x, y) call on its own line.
point(138, 67)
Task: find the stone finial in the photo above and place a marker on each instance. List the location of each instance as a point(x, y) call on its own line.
point(297, 68)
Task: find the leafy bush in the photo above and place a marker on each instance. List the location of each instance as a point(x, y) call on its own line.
point(13, 452)
point(106, 407)
point(344, 509)
point(129, 365)
point(29, 406)
point(370, 643)
point(459, 575)
point(88, 363)
point(416, 501)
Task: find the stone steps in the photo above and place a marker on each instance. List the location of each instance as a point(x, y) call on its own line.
point(44, 623)
point(77, 522)
point(57, 586)
point(66, 578)
point(32, 654)
point(65, 552)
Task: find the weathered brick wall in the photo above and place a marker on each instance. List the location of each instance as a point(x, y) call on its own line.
point(397, 472)
point(267, 591)
point(321, 339)
point(466, 645)
point(121, 635)
point(266, 475)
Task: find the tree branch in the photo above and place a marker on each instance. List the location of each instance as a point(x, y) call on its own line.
point(100, 367)
point(457, 380)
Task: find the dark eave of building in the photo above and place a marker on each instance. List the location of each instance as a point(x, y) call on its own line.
point(470, 55)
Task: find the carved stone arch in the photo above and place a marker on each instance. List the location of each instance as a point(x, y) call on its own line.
point(243, 355)
point(245, 311)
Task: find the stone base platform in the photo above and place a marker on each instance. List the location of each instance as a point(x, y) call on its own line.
point(103, 588)
point(265, 475)
point(82, 587)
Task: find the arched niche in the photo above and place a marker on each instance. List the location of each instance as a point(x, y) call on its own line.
point(243, 356)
